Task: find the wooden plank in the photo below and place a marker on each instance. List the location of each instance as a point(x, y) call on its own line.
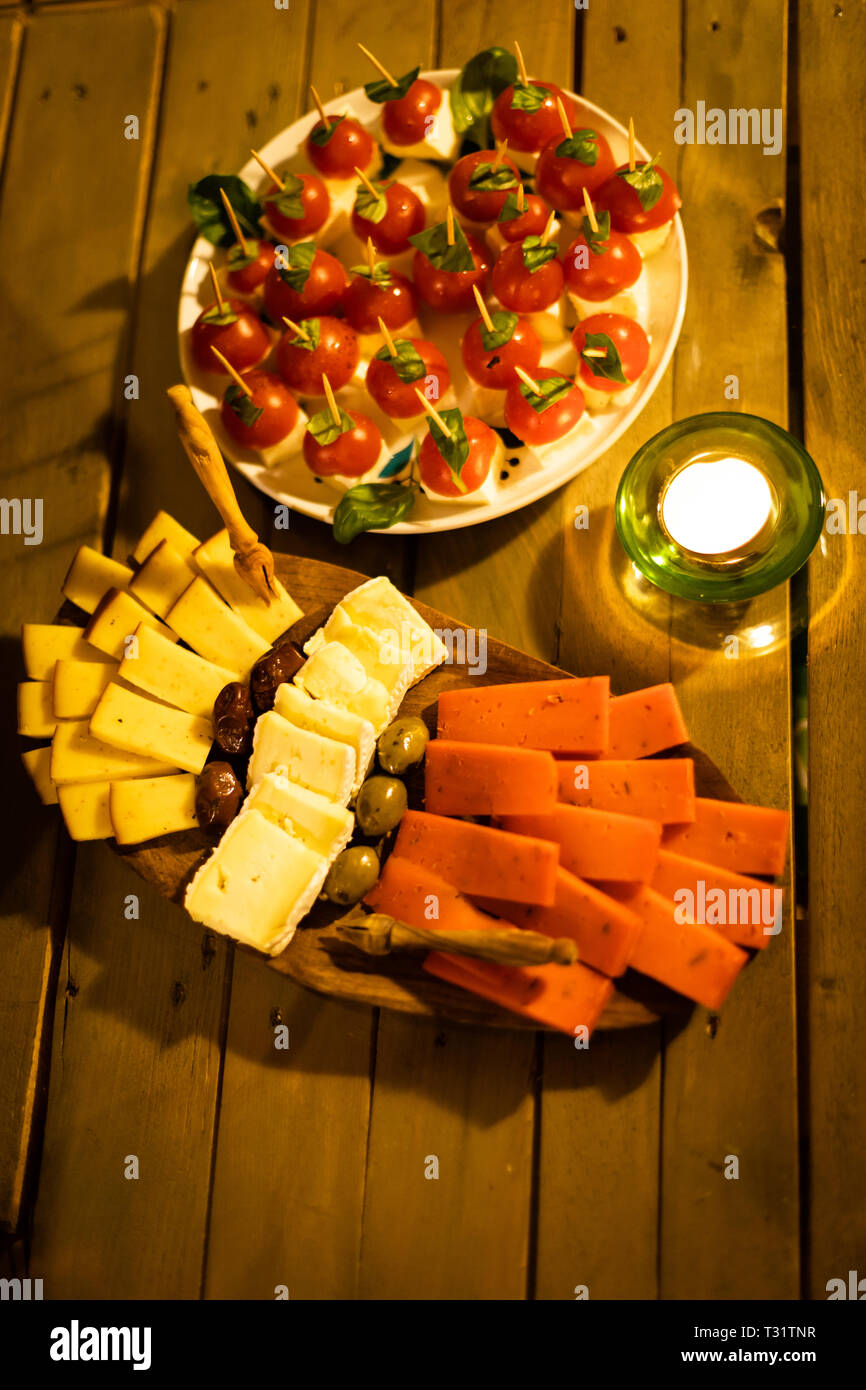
point(598, 1174)
point(60, 340)
point(832, 46)
point(732, 1090)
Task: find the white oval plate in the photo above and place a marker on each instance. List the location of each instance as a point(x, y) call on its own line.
point(292, 483)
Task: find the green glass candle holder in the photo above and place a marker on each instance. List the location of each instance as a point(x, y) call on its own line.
point(768, 521)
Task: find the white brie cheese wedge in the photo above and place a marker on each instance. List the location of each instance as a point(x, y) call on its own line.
point(441, 141)
point(322, 825)
point(323, 717)
point(379, 605)
point(319, 763)
point(382, 658)
point(334, 673)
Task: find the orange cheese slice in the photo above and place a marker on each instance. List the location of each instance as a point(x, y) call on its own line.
point(482, 779)
point(596, 844)
point(745, 910)
point(561, 716)
point(473, 857)
point(565, 997)
point(645, 722)
point(733, 835)
point(661, 789)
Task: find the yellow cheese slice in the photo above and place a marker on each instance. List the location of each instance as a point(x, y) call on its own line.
point(38, 764)
point(77, 685)
point(320, 824)
point(215, 559)
point(115, 620)
point(77, 756)
point(36, 718)
point(162, 578)
point(91, 575)
point(164, 528)
point(84, 807)
point(124, 719)
point(173, 674)
point(214, 630)
point(322, 717)
point(152, 806)
point(322, 764)
point(46, 643)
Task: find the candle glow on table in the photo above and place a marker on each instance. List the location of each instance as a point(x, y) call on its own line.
point(716, 506)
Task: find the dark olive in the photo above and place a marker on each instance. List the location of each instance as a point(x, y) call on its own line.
point(403, 744)
point(380, 805)
point(218, 796)
point(233, 719)
point(278, 665)
point(352, 875)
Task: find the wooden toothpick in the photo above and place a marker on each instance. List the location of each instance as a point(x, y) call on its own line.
point(332, 404)
point(527, 379)
point(216, 288)
point(590, 211)
point(501, 152)
point(296, 328)
point(521, 198)
point(379, 66)
point(449, 223)
point(230, 213)
point(549, 228)
point(483, 310)
point(592, 352)
point(236, 376)
point(521, 66)
point(432, 412)
point(389, 341)
point(563, 118)
point(317, 101)
point(366, 182)
point(274, 177)
point(371, 256)
point(632, 162)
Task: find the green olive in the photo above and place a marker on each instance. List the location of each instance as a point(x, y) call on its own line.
point(403, 744)
point(352, 875)
point(380, 805)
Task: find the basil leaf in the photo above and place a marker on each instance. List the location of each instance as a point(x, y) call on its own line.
point(371, 206)
point(433, 243)
point(490, 178)
point(300, 258)
point(581, 145)
point(313, 329)
point(504, 324)
point(287, 201)
point(477, 86)
point(210, 216)
point(239, 259)
point(510, 209)
point(324, 429)
point(321, 134)
point(380, 274)
point(382, 90)
point(550, 390)
point(372, 506)
point(453, 447)
point(224, 318)
point(408, 363)
point(646, 181)
point(597, 241)
point(609, 366)
point(528, 98)
point(243, 407)
point(535, 255)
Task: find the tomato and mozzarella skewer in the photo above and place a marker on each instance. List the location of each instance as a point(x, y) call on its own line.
point(342, 446)
point(528, 278)
point(448, 263)
point(297, 206)
point(248, 263)
point(260, 414)
point(460, 457)
point(337, 145)
point(525, 115)
point(416, 116)
point(602, 268)
point(521, 215)
point(613, 352)
point(569, 163)
point(379, 292)
point(387, 214)
point(317, 347)
point(492, 347)
point(479, 184)
point(401, 366)
point(543, 409)
point(304, 281)
point(642, 200)
point(233, 327)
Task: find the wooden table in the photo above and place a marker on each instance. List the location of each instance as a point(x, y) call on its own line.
point(306, 1168)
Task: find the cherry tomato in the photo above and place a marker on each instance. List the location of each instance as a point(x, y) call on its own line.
point(542, 426)
point(349, 146)
point(629, 340)
point(435, 472)
point(450, 291)
point(625, 207)
point(479, 205)
point(530, 131)
point(324, 290)
point(526, 291)
point(602, 276)
point(336, 354)
point(247, 279)
point(561, 179)
point(404, 216)
point(316, 204)
point(243, 342)
point(352, 453)
point(531, 222)
point(397, 398)
point(495, 367)
point(405, 121)
point(365, 302)
point(277, 420)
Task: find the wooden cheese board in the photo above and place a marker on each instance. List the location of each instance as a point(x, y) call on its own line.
point(316, 957)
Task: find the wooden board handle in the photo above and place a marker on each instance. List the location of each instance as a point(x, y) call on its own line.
point(378, 934)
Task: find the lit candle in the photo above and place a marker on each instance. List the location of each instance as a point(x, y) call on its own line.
point(715, 506)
